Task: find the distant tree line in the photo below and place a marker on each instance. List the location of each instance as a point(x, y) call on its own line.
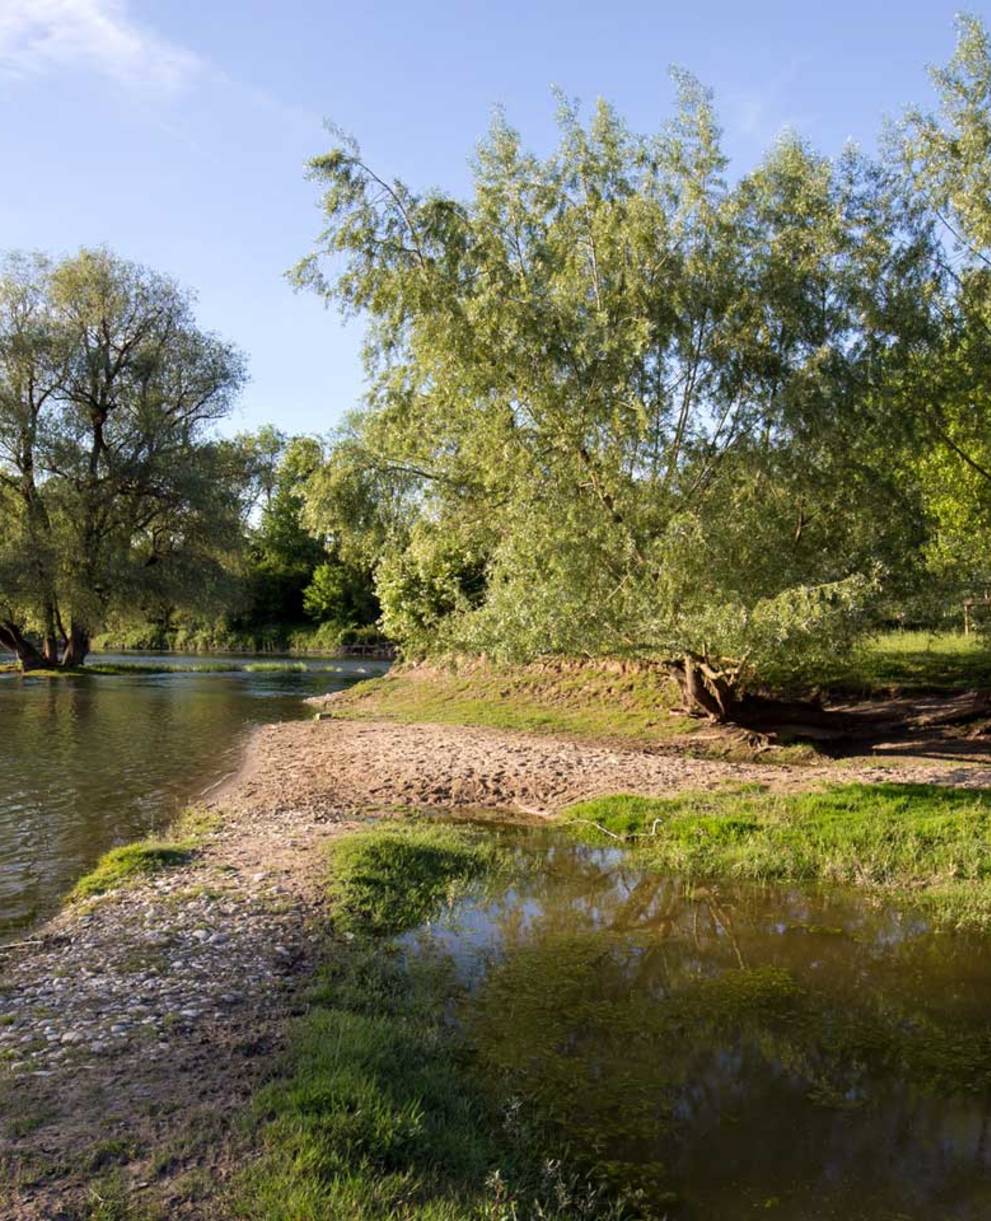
point(119, 503)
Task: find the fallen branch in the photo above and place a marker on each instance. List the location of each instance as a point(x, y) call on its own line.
point(599, 827)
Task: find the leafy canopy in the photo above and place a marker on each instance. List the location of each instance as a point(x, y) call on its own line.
point(617, 404)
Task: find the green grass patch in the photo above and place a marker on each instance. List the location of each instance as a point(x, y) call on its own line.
point(122, 865)
point(145, 857)
point(378, 1115)
point(126, 667)
point(589, 699)
point(918, 661)
point(928, 839)
point(394, 876)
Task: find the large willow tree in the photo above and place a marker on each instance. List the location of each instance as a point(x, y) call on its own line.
point(113, 494)
point(619, 406)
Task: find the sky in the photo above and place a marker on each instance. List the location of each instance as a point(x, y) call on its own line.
point(177, 132)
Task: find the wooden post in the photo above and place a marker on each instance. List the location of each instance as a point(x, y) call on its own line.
point(967, 604)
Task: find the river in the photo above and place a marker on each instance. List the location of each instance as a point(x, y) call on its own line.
point(90, 761)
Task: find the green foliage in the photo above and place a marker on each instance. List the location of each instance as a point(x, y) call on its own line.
point(947, 156)
point(931, 839)
point(393, 877)
point(283, 553)
point(619, 406)
point(114, 495)
point(294, 574)
point(342, 594)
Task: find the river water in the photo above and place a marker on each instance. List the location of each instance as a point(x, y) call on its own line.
point(91, 761)
point(724, 1052)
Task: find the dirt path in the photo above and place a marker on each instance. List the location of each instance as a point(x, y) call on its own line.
point(133, 1032)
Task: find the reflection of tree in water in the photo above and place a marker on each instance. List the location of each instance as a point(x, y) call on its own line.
point(774, 1044)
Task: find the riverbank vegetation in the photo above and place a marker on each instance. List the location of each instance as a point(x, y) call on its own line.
point(378, 1113)
point(131, 862)
point(638, 700)
point(624, 403)
point(591, 699)
point(126, 517)
point(929, 845)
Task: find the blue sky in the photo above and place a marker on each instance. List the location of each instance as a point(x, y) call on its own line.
point(176, 131)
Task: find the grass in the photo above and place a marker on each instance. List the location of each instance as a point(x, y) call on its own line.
point(377, 1114)
point(590, 699)
point(932, 841)
point(395, 875)
point(919, 661)
point(200, 667)
point(612, 699)
point(131, 862)
point(125, 668)
point(204, 667)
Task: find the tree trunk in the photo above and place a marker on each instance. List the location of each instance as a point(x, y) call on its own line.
point(50, 643)
point(13, 639)
point(706, 692)
point(76, 648)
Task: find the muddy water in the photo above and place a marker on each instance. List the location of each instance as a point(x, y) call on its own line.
point(725, 1052)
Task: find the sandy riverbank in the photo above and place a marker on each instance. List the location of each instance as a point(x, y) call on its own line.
point(135, 1029)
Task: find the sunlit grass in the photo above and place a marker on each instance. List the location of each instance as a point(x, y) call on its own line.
point(395, 875)
point(275, 667)
point(920, 661)
point(131, 862)
point(590, 700)
point(929, 841)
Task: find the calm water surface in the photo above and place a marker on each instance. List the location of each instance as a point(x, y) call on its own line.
point(733, 1052)
point(92, 761)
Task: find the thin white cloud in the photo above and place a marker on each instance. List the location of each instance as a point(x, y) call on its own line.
point(763, 114)
point(101, 36)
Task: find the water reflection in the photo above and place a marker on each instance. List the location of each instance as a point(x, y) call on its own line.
point(732, 1051)
point(91, 761)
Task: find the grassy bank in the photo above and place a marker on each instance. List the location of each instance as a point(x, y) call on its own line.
point(377, 1114)
point(631, 700)
point(132, 862)
point(592, 699)
point(927, 842)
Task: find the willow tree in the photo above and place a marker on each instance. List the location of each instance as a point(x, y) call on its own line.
point(113, 493)
point(947, 159)
point(620, 406)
